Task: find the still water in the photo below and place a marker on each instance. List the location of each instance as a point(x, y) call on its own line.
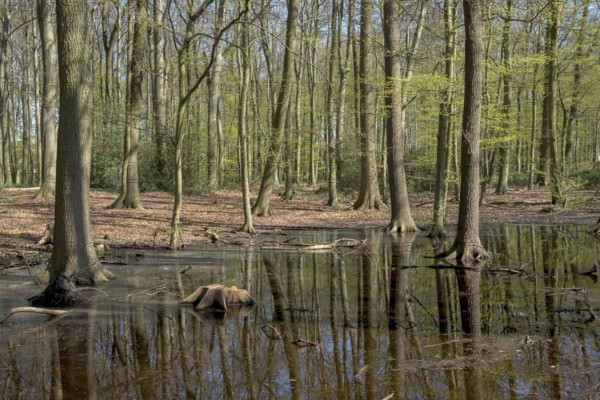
point(380, 321)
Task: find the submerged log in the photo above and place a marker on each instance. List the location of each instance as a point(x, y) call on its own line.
point(218, 297)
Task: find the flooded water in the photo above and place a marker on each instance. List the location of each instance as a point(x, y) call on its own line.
point(380, 321)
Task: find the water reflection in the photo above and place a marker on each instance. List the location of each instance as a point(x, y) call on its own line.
point(369, 323)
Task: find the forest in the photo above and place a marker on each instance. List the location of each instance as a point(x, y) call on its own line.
point(397, 188)
point(194, 97)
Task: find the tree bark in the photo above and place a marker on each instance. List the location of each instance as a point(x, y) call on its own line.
point(49, 99)
point(502, 184)
point(130, 193)
point(334, 52)
point(467, 244)
point(4, 31)
point(401, 218)
point(159, 96)
point(369, 196)
point(438, 228)
point(214, 99)
point(576, 87)
point(73, 256)
point(262, 204)
point(242, 123)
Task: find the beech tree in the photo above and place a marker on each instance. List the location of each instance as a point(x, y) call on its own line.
point(401, 218)
point(185, 92)
point(467, 244)
point(369, 196)
point(130, 189)
point(242, 134)
point(48, 98)
point(74, 258)
point(262, 205)
point(438, 228)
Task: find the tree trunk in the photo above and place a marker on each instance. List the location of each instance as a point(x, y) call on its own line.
point(288, 166)
point(214, 98)
point(334, 51)
point(548, 156)
point(73, 257)
point(159, 97)
point(369, 196)
point(6, 180)
point(242, 123)
point(401, 218)
point(262, 204)
point(438, 228)
point(502, 184)
point(49, 99)
point(467, 245)
point(130, 194)
point(576, 88)
point(185, 92)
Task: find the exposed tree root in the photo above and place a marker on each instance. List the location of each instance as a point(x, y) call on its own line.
point(465, 253)
point(60, 293)
point(401, 227)
point(437, 232)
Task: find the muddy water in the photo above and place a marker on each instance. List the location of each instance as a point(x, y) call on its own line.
point(372, 322)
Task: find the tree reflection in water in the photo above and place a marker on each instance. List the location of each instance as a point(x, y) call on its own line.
point(383, 323)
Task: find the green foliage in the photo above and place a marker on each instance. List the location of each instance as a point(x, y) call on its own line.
point(420, 171)
point(589, 178)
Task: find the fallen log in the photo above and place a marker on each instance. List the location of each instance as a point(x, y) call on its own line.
point(35, 310)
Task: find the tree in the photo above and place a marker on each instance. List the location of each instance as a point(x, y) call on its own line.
point(73, 259)
point(242, 136)
point(467, 244)
point(401, 219)
point(442, 155)
point(213, 82)
point(576, 95)
point(369, 196)
point(49, 98)
point(262, 205)
point(185, 92)
point(130, 188)
point(334, 54)
point(547, 150)
point(159, 94)
point(502, 184)
point(7, 180)
point(548, 153)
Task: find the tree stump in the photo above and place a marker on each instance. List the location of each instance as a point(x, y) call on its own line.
point(218, 297)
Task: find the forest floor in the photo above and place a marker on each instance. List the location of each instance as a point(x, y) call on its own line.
point(23, 220)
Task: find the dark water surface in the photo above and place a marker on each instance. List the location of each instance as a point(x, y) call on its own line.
point(376, 322)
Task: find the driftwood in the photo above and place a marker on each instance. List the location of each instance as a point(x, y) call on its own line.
point(218, 297)
point(340, 243)
point(35, 310)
